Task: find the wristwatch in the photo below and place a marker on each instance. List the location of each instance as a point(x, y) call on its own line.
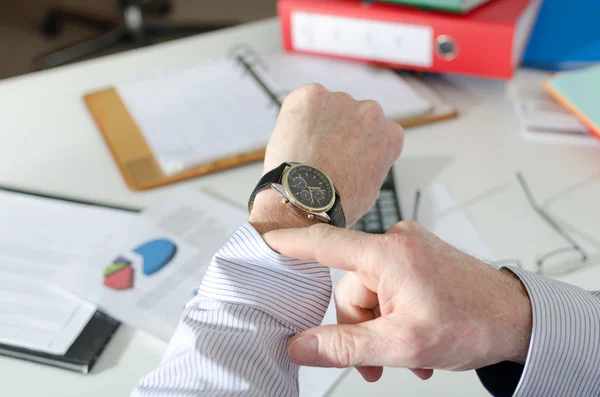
point(307, 188)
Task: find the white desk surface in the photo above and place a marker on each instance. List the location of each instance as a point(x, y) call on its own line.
point(49, 143)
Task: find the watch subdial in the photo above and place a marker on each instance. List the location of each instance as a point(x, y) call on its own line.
point(305, 195)
point(299, 182)
point(318, 194)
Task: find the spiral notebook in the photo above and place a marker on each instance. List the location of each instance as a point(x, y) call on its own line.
point(175, 124)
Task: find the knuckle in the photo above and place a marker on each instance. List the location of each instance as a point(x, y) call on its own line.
point(344, 96)
point(400, 245)
point(407, 227)
point(289, 100)
point(398, 129)
point(303, 94)
point(410, 225)
point(398, 240)
point(339, 292)
point(397, 139)
point(343, 346)
point(371, 110)
point(338, 297)
point(312, 90)
point(396, 228)
point(342, 292)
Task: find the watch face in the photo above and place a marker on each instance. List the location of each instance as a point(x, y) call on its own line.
point(309, 187)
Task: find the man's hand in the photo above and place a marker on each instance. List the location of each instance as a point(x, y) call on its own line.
point(351, 141)
point(408, 300)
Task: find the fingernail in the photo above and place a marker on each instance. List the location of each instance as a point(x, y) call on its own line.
point(304, 350)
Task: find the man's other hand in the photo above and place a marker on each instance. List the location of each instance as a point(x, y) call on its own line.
point(351, 141)
point(408, 300)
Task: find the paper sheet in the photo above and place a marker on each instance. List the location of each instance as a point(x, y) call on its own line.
point(144, 274)
point(197, 225)
point(38, 237)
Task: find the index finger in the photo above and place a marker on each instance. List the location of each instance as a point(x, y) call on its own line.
point(329, 245)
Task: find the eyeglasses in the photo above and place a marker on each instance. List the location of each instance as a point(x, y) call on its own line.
point(556, 262)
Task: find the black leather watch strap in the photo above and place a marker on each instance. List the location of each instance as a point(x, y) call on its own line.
point(267, 179)
point(336, 213)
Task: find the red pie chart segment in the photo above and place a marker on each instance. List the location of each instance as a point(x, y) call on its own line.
point(120, 280)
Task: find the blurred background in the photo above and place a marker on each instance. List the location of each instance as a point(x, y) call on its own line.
point(23, 39)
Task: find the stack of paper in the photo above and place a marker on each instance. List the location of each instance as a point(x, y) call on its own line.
point(38, 238)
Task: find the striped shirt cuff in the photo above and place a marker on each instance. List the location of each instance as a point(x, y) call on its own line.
point(564, 352)
point(247, 271)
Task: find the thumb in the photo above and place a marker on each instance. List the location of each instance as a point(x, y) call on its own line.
point(339, 346)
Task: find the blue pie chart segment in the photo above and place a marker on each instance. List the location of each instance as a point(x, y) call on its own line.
point(156, 254)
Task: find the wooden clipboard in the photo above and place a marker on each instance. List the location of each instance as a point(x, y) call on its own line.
point(443, 109)
point(141, 170)
point(133, 155)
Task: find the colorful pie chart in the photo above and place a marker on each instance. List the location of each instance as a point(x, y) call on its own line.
point(119, 274)
point(156, 254)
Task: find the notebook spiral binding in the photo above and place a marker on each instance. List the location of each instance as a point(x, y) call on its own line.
point(250, 60)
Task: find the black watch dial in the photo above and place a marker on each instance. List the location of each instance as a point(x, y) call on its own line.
point(309, 187)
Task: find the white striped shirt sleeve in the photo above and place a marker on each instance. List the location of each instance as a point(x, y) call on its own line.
point(564, 352)
point(232, 338)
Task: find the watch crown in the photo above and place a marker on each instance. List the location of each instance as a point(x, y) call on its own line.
point(284, 200)
point(310, 216)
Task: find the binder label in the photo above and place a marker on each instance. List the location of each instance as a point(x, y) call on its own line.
point(361, 38)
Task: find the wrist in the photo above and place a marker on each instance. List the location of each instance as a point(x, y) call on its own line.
point(270, 213)
point(521, 326)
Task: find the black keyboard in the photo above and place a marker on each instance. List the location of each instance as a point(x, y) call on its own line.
point(386, 211)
